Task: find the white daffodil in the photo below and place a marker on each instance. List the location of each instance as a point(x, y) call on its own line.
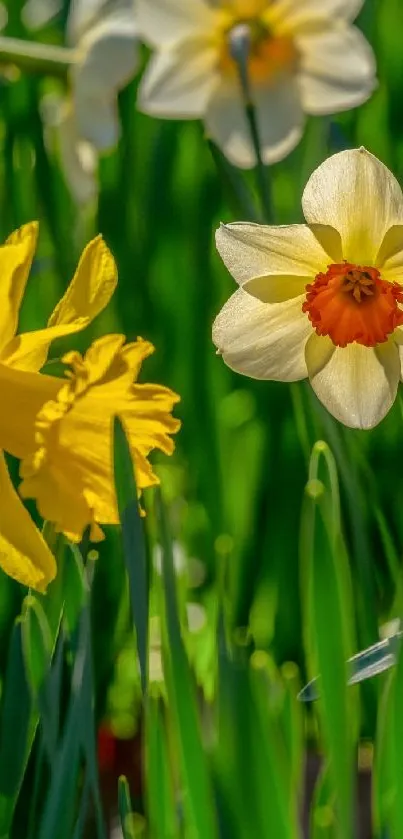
point(305, 57)
point(323, 300)
point(103, 34)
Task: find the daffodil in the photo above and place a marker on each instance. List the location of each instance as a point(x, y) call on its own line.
point(304, 57)
point(103, 35)
point(61, 429)
point(323, 300)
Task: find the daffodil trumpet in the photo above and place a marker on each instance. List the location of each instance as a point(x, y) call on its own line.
point(323, 300)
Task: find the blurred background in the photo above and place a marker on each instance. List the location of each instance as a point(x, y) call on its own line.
point(234, 496)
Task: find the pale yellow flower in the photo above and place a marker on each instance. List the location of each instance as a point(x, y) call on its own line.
point(103, 34)
point(305, 58)
point(323, 300)
point(61, 429)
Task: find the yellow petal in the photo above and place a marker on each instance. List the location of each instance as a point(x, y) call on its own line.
point(23, 394)
point(356, 384)
point(15, 264)
point(88, 293)
point(274, 263)
point(357, 195)
point(71, 473)
point(24, 554)
point(244, 9)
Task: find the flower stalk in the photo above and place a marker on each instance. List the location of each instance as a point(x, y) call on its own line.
point(240, 48)
point(36, 58)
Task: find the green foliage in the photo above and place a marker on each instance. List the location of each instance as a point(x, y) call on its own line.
point(288, 548)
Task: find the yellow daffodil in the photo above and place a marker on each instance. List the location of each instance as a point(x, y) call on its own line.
point(61, 429)
point(71, 472)
point(304, 57)
point(103, 35)
point(323, 300)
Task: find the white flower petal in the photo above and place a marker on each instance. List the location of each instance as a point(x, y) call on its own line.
point(261, 340)
point(276, 263)
point(178, 83)
point(78, 160)
point(109, 56)
point(389, 259)
point(356, 384)
point(83, 14)
point(289, 16)
point(337, 70)
point(399, 334)
point(279, 116)
point(97, 121)
point(164, 22)
point(357, 195)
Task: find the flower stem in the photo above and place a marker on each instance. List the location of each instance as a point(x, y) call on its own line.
point(36, 58)
point(240, 43)
point(236, 189)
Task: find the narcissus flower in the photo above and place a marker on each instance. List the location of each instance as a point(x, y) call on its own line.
point(323, 300)
point(304, 57)
point(104, 38)
point(61, 429)
point(71, 472)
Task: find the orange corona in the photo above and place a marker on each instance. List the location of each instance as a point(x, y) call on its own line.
point(353, 303)
point(269, 57)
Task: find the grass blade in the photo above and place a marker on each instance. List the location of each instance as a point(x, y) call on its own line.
point(133, 543)
point(197, 793)
point(326, 592)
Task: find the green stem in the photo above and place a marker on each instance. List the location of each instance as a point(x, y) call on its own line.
point(240, 51)
point(234, 185)
point(37, 58)
point(261, 174)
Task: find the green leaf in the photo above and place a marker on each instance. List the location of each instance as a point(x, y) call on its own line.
point(133, 826)
point(161, 808)
point(18, 722)
point(384, 777)
point(198, 799)
point(133, 543)
point(37, 642)
point(329, 628)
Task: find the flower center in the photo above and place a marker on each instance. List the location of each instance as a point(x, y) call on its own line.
point(352, 303)
point(268, 56)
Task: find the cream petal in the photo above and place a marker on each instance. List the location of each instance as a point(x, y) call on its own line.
point(276, 263)
point(97, 121)
point(355, 193)
point(399, 336)
point(109, 56)
point(356, 384)
point(179, 82)
point(263, 341)
point(279, 116)
point(290, 16)
point(78, 159)
point(389, 259)
point(163, 22)
point(337, 70)
point(83, 14)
